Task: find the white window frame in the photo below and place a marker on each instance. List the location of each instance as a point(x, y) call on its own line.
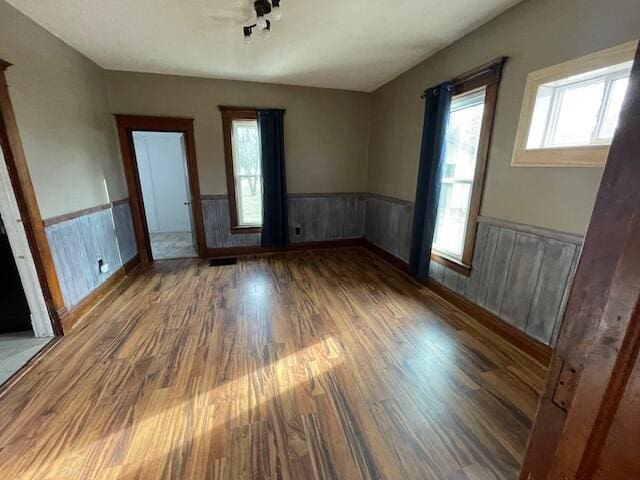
point(592, 155)
point(447, 180)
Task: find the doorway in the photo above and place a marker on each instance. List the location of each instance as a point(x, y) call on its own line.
point(25, 325)
point(18, 342)
point(164, 180)
point(159, 159)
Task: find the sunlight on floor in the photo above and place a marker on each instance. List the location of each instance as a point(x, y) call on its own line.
point(195, 420)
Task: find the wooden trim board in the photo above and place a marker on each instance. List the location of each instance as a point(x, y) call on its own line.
point(537, 350)
point(47, 222)
point(293, 247)
point(539, 231)
point(451, 264)
point(81, 213)
point(388, 257)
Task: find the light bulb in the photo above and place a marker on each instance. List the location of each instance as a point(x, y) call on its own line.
point(266, 33)
point(248, 40)
point(261, 22)
point(276, 13)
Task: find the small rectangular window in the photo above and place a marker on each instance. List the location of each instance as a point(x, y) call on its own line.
point(579, 110)
point(244, 168)
point(570, 111)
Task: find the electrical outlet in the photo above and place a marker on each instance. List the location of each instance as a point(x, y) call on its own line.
point(298, 230)
point(102, 267)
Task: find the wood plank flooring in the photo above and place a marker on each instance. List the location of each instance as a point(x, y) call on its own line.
point(320, 364)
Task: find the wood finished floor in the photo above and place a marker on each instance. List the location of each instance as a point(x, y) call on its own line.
point(318, 364)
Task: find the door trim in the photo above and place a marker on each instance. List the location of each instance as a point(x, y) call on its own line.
point(126, 125)
point(27, 204)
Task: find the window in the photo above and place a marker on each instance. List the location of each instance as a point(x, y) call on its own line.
point(244, 169)
point(571, 110)
point(461, 154)
point(579, 110)
point(466, 149)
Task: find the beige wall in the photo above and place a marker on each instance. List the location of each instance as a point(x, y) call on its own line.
point(62, 110)
point(326, 131)
point(534, 34)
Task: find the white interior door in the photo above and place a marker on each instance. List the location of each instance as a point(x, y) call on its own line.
point(164, 181)
point(40, 321)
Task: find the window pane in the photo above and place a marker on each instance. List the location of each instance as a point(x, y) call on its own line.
point(540, 116)
point(248, 172)
point(463, 137)
point(249, 193)
point(578, 114)
point(570, 111)
point(612, 109)
point(247, 154)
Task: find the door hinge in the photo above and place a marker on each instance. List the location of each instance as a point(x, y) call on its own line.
point(566, 386)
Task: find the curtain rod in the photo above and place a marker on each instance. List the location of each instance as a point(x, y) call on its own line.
point(494, 67)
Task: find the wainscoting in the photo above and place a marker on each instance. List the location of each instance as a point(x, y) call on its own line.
point(388, 224)
point(217, 225)
point(521, 274)
point(78, 240)
point(124, 230)
point(325, 217)
point(320, 217)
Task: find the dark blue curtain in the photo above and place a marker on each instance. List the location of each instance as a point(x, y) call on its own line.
point(275, 218)
point(436, 117)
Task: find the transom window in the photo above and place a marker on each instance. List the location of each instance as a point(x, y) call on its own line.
point(579, 110)
point(570, 111)
point(244, 168)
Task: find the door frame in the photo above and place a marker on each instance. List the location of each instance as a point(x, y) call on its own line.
point(126, 125)
point(44, 286)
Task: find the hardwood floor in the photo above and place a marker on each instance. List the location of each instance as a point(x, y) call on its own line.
point(317, 364)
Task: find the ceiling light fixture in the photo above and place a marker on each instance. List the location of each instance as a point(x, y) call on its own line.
point(266, 12)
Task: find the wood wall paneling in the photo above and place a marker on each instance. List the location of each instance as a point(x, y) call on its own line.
point(125, 234)
point(553, 280)
point(320, 217)
point(498, 272)
point(326, 217)
point(524, 270)
point(217, 225)
point(78, 242)
point(388, 225)
point(521, 274)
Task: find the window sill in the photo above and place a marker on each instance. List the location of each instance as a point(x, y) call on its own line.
point(245, 230)
point(461, 268)
point(586, 156)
